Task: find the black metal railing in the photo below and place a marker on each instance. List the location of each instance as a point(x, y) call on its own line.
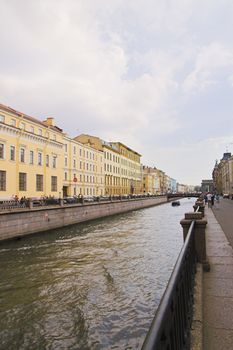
point(170, 328)
point(48, 201)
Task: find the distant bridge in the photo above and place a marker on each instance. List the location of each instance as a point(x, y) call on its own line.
point(183, 195)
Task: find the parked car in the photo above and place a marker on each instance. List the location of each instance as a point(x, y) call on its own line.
point(36, 201)
point(89, 199)
point(103, 198)
point(70, 200)
point(226, 195)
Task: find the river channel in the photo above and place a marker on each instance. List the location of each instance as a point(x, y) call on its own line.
point(92, 286)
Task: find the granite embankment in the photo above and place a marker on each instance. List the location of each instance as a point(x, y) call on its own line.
point(16, 223)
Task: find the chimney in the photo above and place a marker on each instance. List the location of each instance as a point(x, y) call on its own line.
point(49, 121)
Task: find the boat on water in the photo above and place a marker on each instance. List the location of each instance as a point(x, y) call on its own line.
point(175, 203)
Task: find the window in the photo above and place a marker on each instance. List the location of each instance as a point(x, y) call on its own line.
point(13, 122)
point(32, 129)
point(74, 150)
point(12, 153)
point(22, 155)
point(80, 152)
point(53, 183)
point(66, 161)
point(22, 181)
point(54, 161)
point(40, 132)
point(65, 147)
point(74, 163)
point(39, 182)
point(2, 150)
point(47, 160)
point(31, 157)
point(22, 126)
point(2, 118)
point(80, 177)
point(87, 154)
point(80, 165)
point(65, 176)
point(2, 180)
point(39, 158)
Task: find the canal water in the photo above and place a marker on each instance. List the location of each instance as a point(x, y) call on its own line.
point(91, 286)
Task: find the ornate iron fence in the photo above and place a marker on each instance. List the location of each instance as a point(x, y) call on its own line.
point(170, 328)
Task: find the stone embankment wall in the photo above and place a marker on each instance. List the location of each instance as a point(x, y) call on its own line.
point(27, 221)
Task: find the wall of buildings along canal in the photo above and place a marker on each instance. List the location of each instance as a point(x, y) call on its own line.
point(28, 221)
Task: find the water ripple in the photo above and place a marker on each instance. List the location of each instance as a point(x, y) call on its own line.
point(90, 286)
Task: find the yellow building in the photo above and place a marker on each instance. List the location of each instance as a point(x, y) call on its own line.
point(83, 172)
point(112, 170)
point(31, 155)
point(130, 169)
point(122, 168)
point(151, 180)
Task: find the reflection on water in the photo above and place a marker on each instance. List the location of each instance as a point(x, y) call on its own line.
point(90, 286)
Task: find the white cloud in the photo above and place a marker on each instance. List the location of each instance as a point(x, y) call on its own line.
point(209, 59)
point(128, 71)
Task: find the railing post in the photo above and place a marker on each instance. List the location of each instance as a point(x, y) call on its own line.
point(200, 205)
point(199, 235)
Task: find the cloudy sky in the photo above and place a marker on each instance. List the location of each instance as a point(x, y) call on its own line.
point(156, 75)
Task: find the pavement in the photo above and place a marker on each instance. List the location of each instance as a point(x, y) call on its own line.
point(218, 282)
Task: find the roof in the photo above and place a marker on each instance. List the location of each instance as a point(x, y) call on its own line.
point(27, 117)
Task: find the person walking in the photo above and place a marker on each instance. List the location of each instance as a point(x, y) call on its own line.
point(205, 198)
point(217, 200)
point(212, 199)
point(209, 196)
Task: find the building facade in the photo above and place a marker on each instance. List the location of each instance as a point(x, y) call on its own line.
point(37, 159)
point(122, 168)
point(223, 175)
point(151, 180)
point(83, 172)
point(31, 155)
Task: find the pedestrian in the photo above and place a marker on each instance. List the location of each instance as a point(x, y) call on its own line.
point(205, 198)
point(209, 196)
point(212, 199)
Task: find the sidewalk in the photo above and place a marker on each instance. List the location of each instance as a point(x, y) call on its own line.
point(217, 289)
